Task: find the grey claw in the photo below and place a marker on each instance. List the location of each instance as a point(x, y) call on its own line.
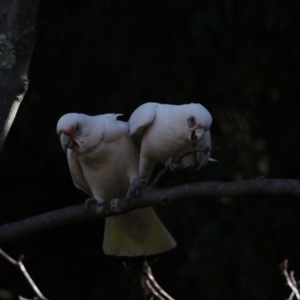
point(173, 166)
point(136, 185)
point(89, 203)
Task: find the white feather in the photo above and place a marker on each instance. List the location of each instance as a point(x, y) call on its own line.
point(142, 117)
point(167, 133)
point(102, 164)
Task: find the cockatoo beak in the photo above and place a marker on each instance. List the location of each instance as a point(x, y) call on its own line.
point(66, 141)
point(196, 135)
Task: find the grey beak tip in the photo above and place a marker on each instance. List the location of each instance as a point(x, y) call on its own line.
point(66, 142)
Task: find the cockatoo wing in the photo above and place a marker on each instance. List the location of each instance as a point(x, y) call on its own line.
point(142, 117)
point(77, 173)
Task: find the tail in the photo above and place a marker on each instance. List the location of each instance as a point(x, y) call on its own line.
point(139, 232)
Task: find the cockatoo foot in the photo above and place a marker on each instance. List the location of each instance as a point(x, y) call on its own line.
point(173, 166)
point(136, 185)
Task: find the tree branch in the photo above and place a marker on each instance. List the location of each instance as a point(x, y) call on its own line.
point(149, 197)
point(17, 35)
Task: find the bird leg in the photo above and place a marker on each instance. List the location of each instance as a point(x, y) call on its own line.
point(138, 183)
point(172, 165)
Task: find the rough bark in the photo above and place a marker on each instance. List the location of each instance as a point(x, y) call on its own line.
point(149, 197)
point(17, 36)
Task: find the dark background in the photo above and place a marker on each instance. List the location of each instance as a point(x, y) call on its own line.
point(240, 59)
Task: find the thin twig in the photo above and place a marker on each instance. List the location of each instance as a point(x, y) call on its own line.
point(157, 286)
point(293, 278)
point(290, 279)
point(153, 290)
point(135, 278)
point(291, 296)
point(7, 257)
point(129, 272)
point(176, 160)
point(19, 264)
point(150, 285)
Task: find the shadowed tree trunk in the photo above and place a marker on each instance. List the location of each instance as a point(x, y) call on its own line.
point(17, 36)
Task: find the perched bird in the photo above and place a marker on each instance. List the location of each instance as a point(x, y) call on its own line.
point(103, 160)
point(165, 131)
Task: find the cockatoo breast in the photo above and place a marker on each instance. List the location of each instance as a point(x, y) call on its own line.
point(108, 175)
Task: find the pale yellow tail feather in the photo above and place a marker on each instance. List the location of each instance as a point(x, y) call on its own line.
point(117, 242)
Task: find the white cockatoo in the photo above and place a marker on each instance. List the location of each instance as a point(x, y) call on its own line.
point(103, 160)
point(167, 130)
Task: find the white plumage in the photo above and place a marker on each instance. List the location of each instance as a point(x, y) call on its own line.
point(167, 130)
point(103, 160)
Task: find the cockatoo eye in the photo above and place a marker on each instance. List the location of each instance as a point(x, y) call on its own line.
point(191, 122)
point(77, 129)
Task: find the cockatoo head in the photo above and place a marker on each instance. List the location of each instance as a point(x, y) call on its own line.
point(197, 121)
point(77, 133)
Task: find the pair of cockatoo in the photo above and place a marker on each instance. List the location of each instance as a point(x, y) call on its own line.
point(105, 163)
